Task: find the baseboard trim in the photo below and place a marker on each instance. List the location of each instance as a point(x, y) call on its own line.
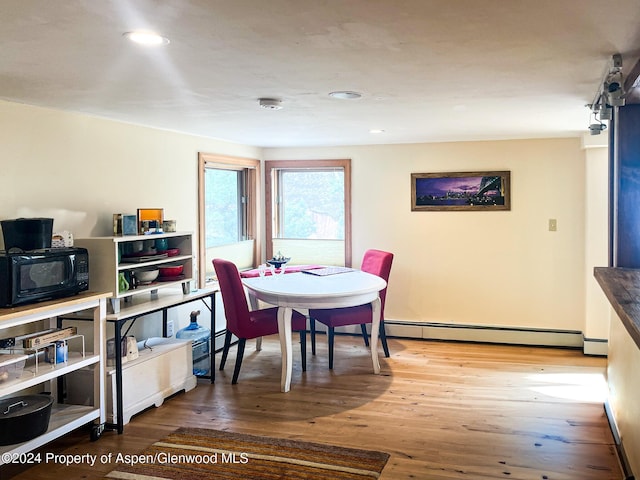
point(595, 346)
point(488, 334)
point(622, 456)
point(485, 334)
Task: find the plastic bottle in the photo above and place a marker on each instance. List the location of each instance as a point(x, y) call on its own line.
point(123, 284)
point(199, 337)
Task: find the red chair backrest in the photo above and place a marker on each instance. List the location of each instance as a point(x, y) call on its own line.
point(233, 297)
point(378, 262)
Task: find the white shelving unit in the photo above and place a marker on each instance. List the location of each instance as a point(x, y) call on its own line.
point(149, 379)
point(106, 262)
point(163, 367)
point(64, 417)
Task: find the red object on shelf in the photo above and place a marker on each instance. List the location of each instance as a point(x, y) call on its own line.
point(170, 279)
point(171, 271)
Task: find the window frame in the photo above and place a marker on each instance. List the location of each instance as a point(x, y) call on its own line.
point(274, 166)
point(251, 192)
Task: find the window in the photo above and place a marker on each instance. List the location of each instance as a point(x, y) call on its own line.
point(228, 209)
point(224, 213)
point(309, 211)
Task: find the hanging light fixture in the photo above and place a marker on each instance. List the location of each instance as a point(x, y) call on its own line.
point(597, 127)
point(610, 94)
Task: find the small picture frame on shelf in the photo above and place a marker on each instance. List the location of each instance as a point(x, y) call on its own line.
point(124, 224)
point(117, 224)
point(150, 220)
point(129, 225)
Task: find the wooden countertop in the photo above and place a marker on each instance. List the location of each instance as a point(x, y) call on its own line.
point(50, 306)
point(622, 288)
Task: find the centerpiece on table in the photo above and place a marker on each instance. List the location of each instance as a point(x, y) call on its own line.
point(278, 260)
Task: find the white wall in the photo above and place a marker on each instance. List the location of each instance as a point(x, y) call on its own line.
point(624, 389)
point(80, 170)
point(474, 268)
point(482, 268)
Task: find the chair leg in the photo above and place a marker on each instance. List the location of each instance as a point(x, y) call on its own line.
point(240, 354)
point(225, 349)
point(303, 349)
point(365, 335)
point(383, 339)
point(312, 329)
point(330, 333)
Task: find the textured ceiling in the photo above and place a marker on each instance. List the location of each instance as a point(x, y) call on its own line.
point(429, 71)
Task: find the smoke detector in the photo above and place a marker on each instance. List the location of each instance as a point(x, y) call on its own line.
point(270, 103)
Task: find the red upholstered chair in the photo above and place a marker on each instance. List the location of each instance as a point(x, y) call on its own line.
point(378, 263)
point(246, 324)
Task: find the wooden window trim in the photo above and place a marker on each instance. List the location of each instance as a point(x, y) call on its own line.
point(271, 165)
point(253, 191)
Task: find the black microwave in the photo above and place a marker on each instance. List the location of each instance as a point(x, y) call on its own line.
point(45, 274)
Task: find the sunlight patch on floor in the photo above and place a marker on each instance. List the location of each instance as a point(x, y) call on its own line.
point(580, 387)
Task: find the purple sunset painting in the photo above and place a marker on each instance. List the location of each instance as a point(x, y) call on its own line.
point(459, 190)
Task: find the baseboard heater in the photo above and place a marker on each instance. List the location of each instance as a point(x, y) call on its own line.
point(486, 334)
point(479, 334)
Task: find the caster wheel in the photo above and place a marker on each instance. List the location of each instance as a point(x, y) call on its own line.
point(96, 432)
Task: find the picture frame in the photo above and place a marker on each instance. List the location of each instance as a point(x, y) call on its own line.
point(461, 191)
point(150, 220)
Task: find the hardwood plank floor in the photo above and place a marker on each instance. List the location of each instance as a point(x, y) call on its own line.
point(442, 410)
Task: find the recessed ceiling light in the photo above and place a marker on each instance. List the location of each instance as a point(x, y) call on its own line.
point(146, 38)
point(376, 130)
point(345, 95)
point(270, 103)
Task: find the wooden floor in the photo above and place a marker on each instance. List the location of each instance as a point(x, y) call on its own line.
point(442, 410)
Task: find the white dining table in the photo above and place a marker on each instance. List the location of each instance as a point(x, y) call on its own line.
point(301, 291)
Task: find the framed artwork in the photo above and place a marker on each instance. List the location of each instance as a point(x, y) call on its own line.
point(460, 191)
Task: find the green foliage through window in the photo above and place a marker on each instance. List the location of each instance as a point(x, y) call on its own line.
point(223, 207)
point(312, 204)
